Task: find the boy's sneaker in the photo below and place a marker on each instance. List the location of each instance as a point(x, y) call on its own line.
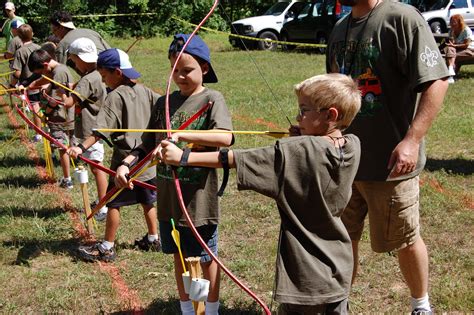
point(101, 215)
point(37, 138)
point(421, 311)
point(451, 80)
point(146, 245)
point(96, 252)
point(66, 183)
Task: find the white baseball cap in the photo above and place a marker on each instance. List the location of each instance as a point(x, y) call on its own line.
point(69, 25)
point(9, 6)
point(85, 49)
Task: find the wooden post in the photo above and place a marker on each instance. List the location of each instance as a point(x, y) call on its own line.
point(194, 264)
point(87, 204)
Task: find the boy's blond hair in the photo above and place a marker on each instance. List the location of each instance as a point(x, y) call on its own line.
point(332, 90)
point(25, 32)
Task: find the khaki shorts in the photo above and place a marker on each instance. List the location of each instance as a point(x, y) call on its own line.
point(340, 307)
point(393, 209)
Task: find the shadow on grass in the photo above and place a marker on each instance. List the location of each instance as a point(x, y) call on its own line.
point(43, 213)
point(465, 74)
point(171, 307)
point(30, 249)
point(454, 166)
point(23, 181)
point(15, 161)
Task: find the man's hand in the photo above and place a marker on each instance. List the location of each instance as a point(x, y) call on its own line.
point(121, 180)
point(170, 153)
point(74, 151)
point(404, 158)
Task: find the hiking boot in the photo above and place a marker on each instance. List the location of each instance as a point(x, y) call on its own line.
point(146, 245)
point(66, 183)
point(96, 252)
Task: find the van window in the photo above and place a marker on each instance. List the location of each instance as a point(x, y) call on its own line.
point(277, 8)
point(459, 4)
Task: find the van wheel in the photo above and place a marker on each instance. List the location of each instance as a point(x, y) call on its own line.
point(322, 40)
point(265, 45)
point(437, 27)
point(285, 47)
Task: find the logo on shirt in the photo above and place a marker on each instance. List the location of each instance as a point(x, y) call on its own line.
point(429, 57)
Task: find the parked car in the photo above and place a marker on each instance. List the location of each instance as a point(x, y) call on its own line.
point(314, 23)
point(439, 14)
point(266, 26)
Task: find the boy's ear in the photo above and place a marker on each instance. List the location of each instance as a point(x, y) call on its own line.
point(333, 114)
point(205, 68)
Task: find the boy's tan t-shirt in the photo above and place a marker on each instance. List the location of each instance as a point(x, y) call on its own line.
point(60, 114)
point(127, 107)
point(14, 45)
point(199, 185)
point(20, 61)
point(89, 87)
point(311, 181)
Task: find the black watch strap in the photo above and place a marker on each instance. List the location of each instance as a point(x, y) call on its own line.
point(184, 157)
point(224, 160)
point(81, 146)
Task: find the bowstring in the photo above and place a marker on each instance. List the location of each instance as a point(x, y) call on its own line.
point(247, 50)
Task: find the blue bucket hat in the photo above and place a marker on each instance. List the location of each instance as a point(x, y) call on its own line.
point(114, 58)
point(198, 48)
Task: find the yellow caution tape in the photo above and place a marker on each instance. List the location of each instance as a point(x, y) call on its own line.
point(252, 38)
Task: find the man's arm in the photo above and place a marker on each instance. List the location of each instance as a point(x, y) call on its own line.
point(405, 155)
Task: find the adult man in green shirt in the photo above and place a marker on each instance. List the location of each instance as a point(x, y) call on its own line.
point(388, 49)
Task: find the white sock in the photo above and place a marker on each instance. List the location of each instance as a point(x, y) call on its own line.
point(68, 178)
point(212, 308)
point(104, 209)
point(152, 237)
point(421, 303)
point(186, 307)
point(451, 68)
point(107, 245)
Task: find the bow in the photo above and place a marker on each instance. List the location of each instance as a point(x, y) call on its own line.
point(176, 179)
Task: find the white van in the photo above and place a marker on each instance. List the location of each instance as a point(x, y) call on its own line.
point(264, 26)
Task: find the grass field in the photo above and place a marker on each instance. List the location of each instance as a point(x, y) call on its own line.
point(41, 226)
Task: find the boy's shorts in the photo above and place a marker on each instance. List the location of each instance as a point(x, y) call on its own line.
point(393, 209)
point(189, 244)
point(35, 97)
point(129, 197)
point(340, 307)
point(63, 136)
point(95, 152)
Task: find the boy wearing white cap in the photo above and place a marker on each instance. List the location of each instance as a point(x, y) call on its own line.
point(9, 10)
point(128, 105)
point(91, 93)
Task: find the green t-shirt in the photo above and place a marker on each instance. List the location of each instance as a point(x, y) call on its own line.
point(127, 107)
point(89, 87)
point(7, 29)
point(72, 35)
point(199, 185)
point(20, 60)
point(310, 180)
point(61, 117)
point(391, 53)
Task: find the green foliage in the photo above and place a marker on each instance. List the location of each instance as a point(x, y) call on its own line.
point(146, 18)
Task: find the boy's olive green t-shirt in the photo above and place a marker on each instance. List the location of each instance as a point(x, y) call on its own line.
point(127, 107)
point(90, 87)
point(199, 185)
point(20, 60)
point(60, 114)
point(311, 181)
point(14, 45)
point(391, 53)
point(72, 35)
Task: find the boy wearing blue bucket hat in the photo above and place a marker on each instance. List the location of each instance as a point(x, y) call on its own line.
point(127, 105)
point(199, 185)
